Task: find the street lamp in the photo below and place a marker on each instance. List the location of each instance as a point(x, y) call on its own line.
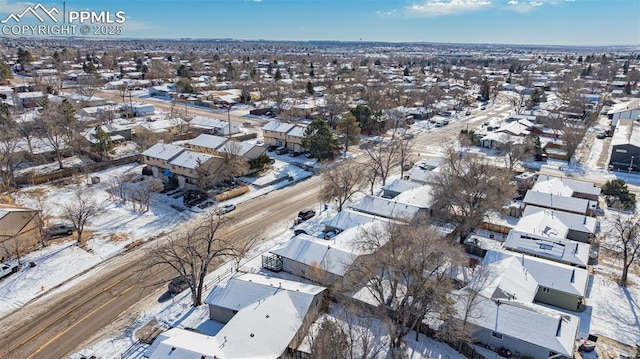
point(630, 168)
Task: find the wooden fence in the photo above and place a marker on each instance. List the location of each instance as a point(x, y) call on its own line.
point(69, 172)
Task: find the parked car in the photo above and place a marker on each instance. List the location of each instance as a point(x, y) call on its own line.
point(7, 269)
point(306, 214)
point(600, 135)
point(294, 154)
point(298, 232)
point(281, 150)
point(178, 284)
point(272, 148)
point(226, 208)
point(58, 230)
point(193, 197)
point(468, 113)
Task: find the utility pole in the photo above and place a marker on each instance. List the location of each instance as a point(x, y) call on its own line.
point(229, 117)
point(630, 168)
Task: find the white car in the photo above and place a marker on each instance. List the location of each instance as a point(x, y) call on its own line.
point(226, 208)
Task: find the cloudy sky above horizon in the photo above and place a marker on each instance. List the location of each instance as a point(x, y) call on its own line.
point(542, 22)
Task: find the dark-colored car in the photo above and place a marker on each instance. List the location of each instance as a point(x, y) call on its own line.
point(281, 150)
point(192, 197)
point(298, 232)
point(58, 230)
point(306, 214)
point(178, 284)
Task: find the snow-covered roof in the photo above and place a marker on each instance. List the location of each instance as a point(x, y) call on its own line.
point(420, 197)
point(278, 126)
point(163, 151)
point(423, 174)
point(297, 131)
point(569, 204)
point(346, 219)
point(564, 186)
point(624, 106)
point(516, 128)
point(236, 148)
point(249, 288)
point(561, 250)
point(207, 122)
point(335, 255)
point(627, 133)
point(7, 208)
point(208, 141)
point(263, 328)
point(158, 126)
point(26, 95)
point(191, 160)
point(536, 218)
point(517, 276)
point(531, 323)
point(387, 208)
point(400, 185)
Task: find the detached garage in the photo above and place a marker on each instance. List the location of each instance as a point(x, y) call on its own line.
point(625, 147)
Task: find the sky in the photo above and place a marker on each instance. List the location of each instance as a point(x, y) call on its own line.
point(540, 22)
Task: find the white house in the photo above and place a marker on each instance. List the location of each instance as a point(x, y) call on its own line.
point(261, 317)
point(213, 126)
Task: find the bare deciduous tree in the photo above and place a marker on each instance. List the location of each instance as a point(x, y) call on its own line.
point(192, 254)
point(408, 278)
point(467, 189)
point(79, 210)
point(383, 156)
point(514, 153)
point(341, 182)
point(625, 245)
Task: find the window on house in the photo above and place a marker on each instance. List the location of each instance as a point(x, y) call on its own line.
point(545, 290)
point(496, 335)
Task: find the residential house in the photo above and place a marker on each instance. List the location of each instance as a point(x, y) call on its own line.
point(261, 317)
point(22, 100)
point(189, 168)
point(19, 229)
point(523, 329)
point(389, 208)
point(625, 147)
point(346, 219)
point(221, 146)
point(275, 133)
point(162, 125)
point(629, 110)
point(527, 279)
point(213, 126)
point(324, 261)
point(294, 139)
point(158, 157)
point(567, 204)
point(137, 109)
point(398, 186)
point(567, 187)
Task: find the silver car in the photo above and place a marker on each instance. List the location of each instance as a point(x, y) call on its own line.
point(58, 230)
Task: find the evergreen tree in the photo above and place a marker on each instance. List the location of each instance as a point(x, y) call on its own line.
point(319, 140)
point(310, 90)
point(277, 76)
point(311, 73)
point(103, 143)
point(349, 131)
point(5, 72)
point(627, 88)
point(406, 71)
point(484, 89)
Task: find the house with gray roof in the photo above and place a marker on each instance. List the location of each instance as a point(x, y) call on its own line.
point(625, 147)
point(566, 187)
point(556, 202)
point(213, 126)
point(258, 317)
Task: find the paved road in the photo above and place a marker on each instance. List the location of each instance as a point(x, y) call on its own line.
point(54, 327)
